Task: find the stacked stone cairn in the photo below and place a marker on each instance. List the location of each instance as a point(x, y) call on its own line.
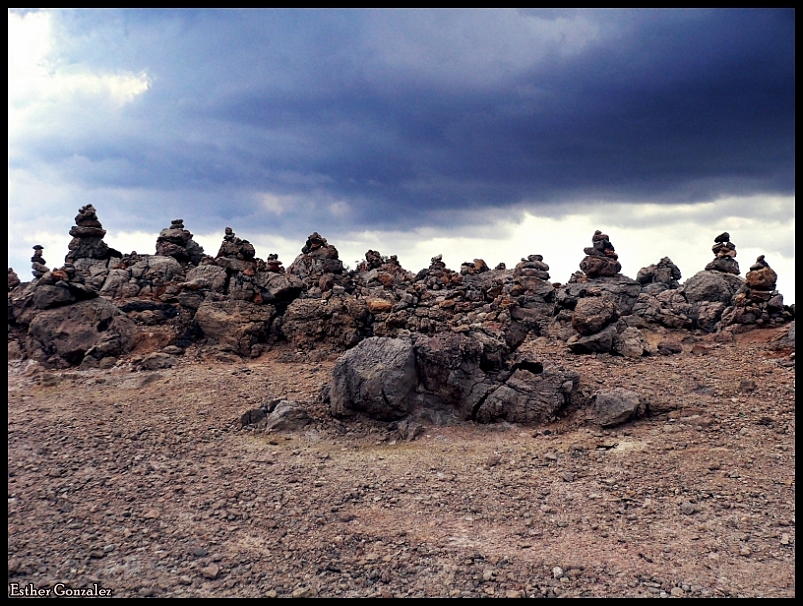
point(594, 302)
point(177, 242)
point(319, 266)
point(38, 267)
point(87, 242)
point(659, 277)
point(724, 255)
point(758, 302)
point(273, 265)
point(601, 258)
point(478, 266)
point(240, 304)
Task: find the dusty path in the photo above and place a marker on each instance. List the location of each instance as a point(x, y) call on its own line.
point(139, 482)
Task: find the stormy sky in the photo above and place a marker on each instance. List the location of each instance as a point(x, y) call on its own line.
point(490, 133)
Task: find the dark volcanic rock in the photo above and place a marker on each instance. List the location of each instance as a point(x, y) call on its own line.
point(177, 242)
point(88, 328)
point(377, 377)
point(287, 416)
point(13, 279)
point(592, 314)
point(711, 286)
point(664, 273)
point(339, 322)
point(528, 397)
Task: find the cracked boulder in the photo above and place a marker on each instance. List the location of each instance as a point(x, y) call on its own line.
point(66, 335)
point(377, 378)
point(531, 394)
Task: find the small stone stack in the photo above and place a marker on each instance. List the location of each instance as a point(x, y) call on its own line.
point(177, 242)
point(233, 247)
point(532, 267)
point(318, 266)
point(88, 233)
point(658, 277)
point(437, 276)
point(13, 279)
point(601, 258)
point(38, 267)
point(725, 255)
point(273, 265)
point(757, 302)
point(478, 266)
point(373, 260)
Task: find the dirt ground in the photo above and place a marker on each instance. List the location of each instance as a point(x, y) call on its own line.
point(143, 483)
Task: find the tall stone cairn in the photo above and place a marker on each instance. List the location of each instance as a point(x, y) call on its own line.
point(87, 233)
point(724, 255)
point(38, 267)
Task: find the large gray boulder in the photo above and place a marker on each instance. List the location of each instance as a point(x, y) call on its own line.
point(206, 276)
point(616, 406)
point(711, 286)
point(377, 377)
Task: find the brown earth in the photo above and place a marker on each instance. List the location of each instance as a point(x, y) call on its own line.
point(142, 482)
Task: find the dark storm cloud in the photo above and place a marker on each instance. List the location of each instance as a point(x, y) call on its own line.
point(405, 115)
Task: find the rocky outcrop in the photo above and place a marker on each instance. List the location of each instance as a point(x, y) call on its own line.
point(449, 374)
point(235, 326)
point(531, 394)
point(339, 322)
point(247, 304)
point(659, 276)
point(708, 293)
point(67, 335)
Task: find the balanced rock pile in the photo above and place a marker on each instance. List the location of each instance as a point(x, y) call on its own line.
point(758, 302)
point(96, 305)
point(712, 290)
point(658, 277)
point(38, 267)
point(318, 265)
point(601, 258)
point(588, 309)
point(88, 233)
point(233, 247)
point(177, 242)
point(724, 255)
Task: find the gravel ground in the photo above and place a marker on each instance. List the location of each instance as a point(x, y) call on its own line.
point(141, 482)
